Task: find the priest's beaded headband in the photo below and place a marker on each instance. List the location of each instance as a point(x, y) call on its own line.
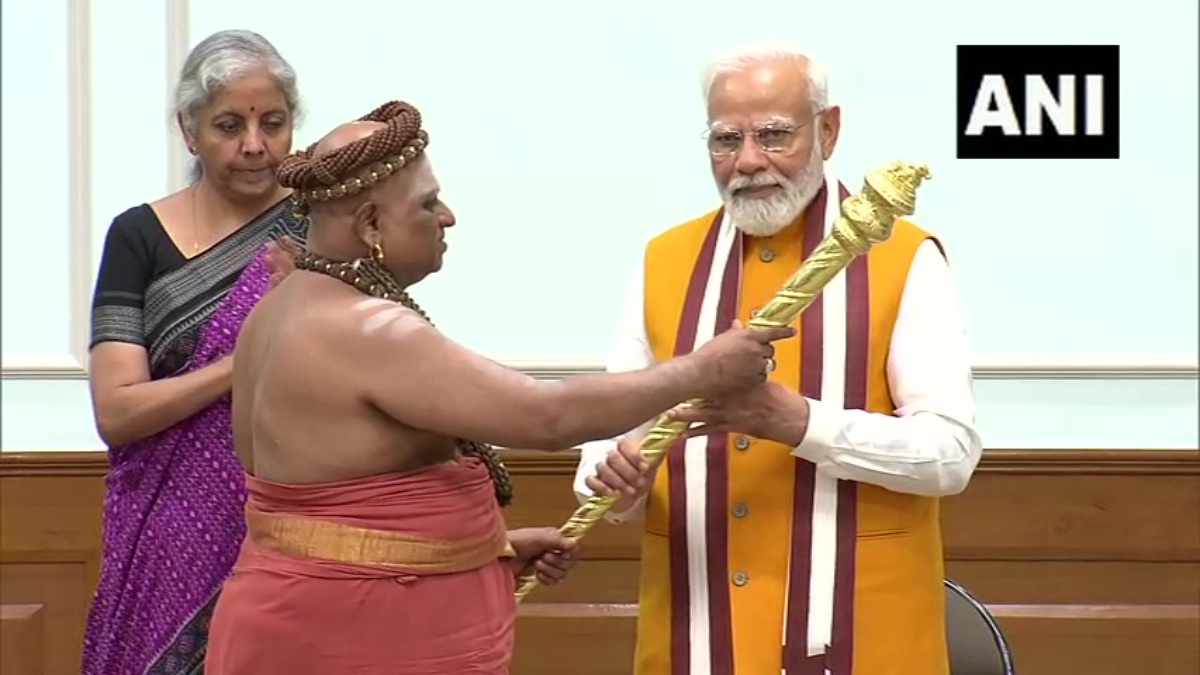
point(371, 159)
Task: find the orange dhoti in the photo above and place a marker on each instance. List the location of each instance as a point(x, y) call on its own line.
point(397, 574)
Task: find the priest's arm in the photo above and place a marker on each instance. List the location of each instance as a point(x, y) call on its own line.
point(929, 447)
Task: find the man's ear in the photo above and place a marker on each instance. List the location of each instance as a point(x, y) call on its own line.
point(366, 224)
point(830, 126)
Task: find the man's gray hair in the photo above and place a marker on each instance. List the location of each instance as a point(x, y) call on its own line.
point(220, 59)
point(742, 58)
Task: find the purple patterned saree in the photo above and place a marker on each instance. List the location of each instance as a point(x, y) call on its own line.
point(173, 519)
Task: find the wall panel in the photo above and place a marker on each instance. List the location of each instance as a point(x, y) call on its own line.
point(46, 99)
point(1090, 560)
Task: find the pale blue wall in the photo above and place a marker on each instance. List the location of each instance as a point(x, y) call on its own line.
point(566, 133)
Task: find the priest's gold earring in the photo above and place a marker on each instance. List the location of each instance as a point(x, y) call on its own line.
point(377, 254)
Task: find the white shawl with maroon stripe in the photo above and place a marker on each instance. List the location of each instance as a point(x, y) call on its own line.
point(701, 631)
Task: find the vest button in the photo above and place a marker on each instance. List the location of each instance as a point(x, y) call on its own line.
point(740, 578)
point(740, 510)
point(741, 443)
point(766, 255)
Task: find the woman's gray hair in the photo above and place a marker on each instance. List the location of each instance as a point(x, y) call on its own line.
point(220, 59)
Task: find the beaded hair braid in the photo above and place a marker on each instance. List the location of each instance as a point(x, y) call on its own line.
point(368, 161)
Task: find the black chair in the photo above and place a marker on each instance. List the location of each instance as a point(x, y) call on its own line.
point(977, 647)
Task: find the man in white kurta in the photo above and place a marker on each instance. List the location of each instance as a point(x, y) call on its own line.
point(747, 530)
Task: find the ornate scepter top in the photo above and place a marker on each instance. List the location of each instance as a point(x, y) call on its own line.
point(897, 184)
point(888, 193)
point(869, 215)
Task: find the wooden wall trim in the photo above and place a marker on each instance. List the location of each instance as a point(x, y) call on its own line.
point(53, 463)
point(1092, 462)
point(1089, 559)
point(1000, 611)
point(536, 463)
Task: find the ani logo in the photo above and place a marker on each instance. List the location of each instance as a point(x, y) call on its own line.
point(1039, 102)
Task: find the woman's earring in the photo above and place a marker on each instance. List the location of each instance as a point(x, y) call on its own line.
point(377, 254)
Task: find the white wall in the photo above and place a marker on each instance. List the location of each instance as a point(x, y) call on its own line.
point(565, 134)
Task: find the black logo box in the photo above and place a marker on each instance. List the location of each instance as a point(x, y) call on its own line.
point(1014, 62)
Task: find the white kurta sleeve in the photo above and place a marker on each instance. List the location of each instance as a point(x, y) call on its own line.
point(931, 447)
point(631, 351)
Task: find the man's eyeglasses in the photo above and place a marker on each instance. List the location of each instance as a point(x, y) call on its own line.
point(775, 137)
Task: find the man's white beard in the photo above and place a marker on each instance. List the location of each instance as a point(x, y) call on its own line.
point(763, 217)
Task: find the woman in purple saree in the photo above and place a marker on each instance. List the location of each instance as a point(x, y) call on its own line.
point(176, 281)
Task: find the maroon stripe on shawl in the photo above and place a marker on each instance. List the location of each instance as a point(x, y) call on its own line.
point(795, 645)
point(716, 501)
point(676, 478)
point(858, 335)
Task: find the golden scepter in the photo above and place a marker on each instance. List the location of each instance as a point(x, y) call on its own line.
point(866, 219)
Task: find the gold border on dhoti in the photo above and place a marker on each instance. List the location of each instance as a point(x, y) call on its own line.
point(307, 537)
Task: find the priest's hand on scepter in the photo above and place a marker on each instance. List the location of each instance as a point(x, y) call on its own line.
point(543, 551)
point(735, 360)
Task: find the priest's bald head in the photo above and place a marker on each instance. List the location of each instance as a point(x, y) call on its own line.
point(370, 192)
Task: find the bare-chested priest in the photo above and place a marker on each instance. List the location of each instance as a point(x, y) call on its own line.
point(375, 541)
